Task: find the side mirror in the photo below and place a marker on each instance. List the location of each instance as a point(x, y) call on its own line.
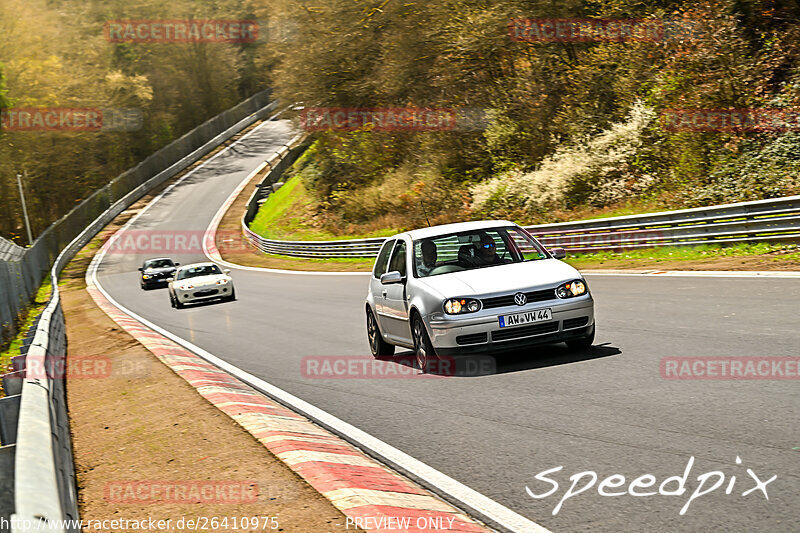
point(140, 269)
point(558, 253)
point(227, 271)
point(392, 277)
point(177, 264)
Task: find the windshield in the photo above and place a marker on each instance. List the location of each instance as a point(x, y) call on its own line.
point(159, 263)
point(474, 249)
point(193, 272)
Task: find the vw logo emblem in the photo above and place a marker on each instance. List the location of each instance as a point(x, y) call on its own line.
point(520, 298)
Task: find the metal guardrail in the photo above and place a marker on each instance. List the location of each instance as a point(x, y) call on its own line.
point(37, 483)
point(278, 163)
point(775, 219)
point(762, 220)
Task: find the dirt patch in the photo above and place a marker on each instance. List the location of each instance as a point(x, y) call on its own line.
point(744, 263)
point(147, 446)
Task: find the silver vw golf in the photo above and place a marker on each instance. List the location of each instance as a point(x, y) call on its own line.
point(474, 287)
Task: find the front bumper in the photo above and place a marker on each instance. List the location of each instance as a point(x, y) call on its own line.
point(199, 294)
point(571, 320)
point(155, 282)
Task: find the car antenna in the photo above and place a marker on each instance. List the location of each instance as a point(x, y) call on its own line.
point(425, 213)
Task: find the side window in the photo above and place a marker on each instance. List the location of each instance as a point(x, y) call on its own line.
point(399, 258)
point(527, 247)
point(383, 259)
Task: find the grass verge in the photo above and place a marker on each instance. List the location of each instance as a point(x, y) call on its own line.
point(289, 214)
point(34, 309)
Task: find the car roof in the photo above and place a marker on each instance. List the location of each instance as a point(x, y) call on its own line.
point(458, 227)
point(158, 259)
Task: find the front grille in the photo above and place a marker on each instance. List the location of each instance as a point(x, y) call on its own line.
point(526, 331)
point(508, 299)
point(207, 292)
point(474, 338)
point(576, 322)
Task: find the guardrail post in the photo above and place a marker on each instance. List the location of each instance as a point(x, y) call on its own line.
point(9, 414)
point(7, 483)
point(36, 495)
point(12, 382)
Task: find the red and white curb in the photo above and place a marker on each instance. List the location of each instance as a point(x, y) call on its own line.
point(355, 483)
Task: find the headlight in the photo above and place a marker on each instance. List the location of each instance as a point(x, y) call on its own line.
point(460, 306)
point(222, 281)
point(186, 287)
point(571, 289)
point(145, 276)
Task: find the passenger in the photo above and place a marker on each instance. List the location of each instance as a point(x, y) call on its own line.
point(429, 256)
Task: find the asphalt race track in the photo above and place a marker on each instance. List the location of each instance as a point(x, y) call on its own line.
point(606, 410)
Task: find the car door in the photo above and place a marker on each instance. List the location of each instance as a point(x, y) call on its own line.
point(375, 286)
point(395, 313)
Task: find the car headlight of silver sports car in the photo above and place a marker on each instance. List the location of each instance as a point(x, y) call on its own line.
point(460, 306)
point(222, 281)
point(571, 289)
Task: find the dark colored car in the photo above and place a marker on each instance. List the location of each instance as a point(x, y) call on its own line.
point(156, 272)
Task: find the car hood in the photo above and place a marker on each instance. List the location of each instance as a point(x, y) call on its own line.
point(513, 277)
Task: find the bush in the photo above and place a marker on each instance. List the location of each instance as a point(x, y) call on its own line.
point(596, 170)
point(761, 169)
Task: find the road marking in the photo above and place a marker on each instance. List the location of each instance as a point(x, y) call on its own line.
point(696, 273)
point(454, 490)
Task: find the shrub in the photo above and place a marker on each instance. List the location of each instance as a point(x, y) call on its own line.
point(596, 170)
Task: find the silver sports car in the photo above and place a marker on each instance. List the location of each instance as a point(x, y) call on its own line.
point(474, 287)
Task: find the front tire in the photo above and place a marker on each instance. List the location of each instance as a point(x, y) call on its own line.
point(582, 343)
point(378, 346)
point(423, 349)
point(232, 297)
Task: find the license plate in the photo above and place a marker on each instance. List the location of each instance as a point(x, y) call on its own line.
point(537, 315)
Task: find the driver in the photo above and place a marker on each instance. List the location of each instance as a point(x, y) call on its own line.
point(487, 253)
point(429, 256)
